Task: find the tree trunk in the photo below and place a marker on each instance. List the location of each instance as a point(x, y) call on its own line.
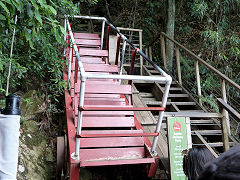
point(170, 33)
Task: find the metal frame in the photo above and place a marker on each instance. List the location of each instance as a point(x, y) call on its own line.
point(84, 76)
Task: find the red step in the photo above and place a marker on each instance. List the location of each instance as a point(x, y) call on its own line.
point(111, 153)
point(108, 122)
point(117, 162)
point(95, 53)
point(90, 60)
point(105, 89)
point(85, 36)
point(111, 142)
point(84, 42)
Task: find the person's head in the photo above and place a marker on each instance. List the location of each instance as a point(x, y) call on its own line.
point(194, 161)
point(225, 167)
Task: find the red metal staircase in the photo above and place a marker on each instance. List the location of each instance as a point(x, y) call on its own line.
point(102, 127)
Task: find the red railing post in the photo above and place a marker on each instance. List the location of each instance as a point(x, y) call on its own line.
point(132, 64)
point(107, 44)
point(107, 40)
point(76, 67)
point(72, 53)
point(117, 51)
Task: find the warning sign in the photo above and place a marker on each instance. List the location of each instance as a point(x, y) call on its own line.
point(177, 140)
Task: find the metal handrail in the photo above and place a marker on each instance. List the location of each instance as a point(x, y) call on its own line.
point(124, 38)
point(84, 76)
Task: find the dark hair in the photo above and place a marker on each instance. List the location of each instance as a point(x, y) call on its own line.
point(225, 167)
point(194, 161)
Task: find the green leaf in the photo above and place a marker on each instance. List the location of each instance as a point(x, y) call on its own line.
point(57, 36)
point(52, 10)
point(41, 3)
point(29, 10)
point(34, 4)
point(1, 65)
point(2, 17)
point(62, 30)
point(38, 16)
point(4, 7)
point(31, 44)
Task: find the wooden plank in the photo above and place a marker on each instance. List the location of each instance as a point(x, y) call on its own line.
point(149, 82)
point(177, 95)
point(111, 142)
point(145, 95)
point(205, 121)
point(85, 36)
point(225, 124)
point(225, 105)
point(178, 65)
point(216, 144)
point(175, 89)
point(117, 162)
point(206, 144)
point(108, 122)
point(208, 132)
point(169, 103)
point(163, 51)
point(111, 153)
point(193, 114)
point(90, 52)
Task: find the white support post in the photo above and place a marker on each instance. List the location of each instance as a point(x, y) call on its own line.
point(80, 113)
point(102, 35)
point(65, 36)
point(122, 59)
point(160, 118)
point(70, 62)
point(198, 81)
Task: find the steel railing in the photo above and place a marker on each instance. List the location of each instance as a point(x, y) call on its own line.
point(84, 76)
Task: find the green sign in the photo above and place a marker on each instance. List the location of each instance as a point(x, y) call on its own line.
point(177, 141)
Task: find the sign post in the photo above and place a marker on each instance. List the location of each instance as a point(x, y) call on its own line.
point(179, 138)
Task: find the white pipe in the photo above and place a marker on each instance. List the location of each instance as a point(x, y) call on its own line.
point(9, 142)
point(90, 17)
point(126, 77)
point(102, 34)
point(122, 59)
point(80, 114)
point(70, 62)
point(65, 36)
point(161, 113)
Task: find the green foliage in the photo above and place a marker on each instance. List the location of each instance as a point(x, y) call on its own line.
point(210, 101)
point(199, 9)
point(36, 60)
